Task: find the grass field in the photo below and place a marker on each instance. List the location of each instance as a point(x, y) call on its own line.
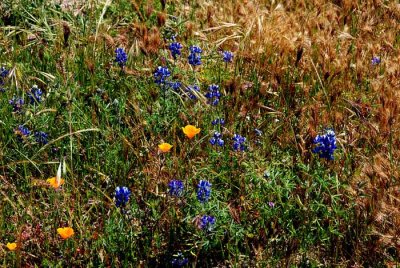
point(283, 117)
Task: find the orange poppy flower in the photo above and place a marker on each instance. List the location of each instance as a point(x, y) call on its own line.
point(11, 246)
point(165, 147)
point(191, 131)
point(54, 183)
point(65, 232)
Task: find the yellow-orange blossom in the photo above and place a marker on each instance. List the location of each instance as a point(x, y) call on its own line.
point(165, 147)
point(65, 232)
point(191, 131)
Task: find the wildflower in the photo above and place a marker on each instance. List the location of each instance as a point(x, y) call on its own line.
point(207, 223)
point(41, 137)
point(258, 132)
point(203, 191)
point(65, 232)
point(122, 196)
point(227, 56)
point(161, 74)
point(35, 94)
point(266, 174)
point(213, 94)
point(217, 139)
point(375, 60)
point(271, 204)
point(190, 91)
point(23, 131)
point(175, 49)
point(190, 131)
point(176, 188)
point(326, 145)
point(194, 56)
point(179, 260)
point(175, 85)
point(165, 147)
point(11, 246)
point(238, 144)
point(120, 57)
point(55, 183)
point(3, 72)
point(16, 103)
point(217, 121)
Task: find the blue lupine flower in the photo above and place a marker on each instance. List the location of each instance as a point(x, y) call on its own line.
point(217, 139)
point(375, 60)
point(175, 85)
point(227, 56)
point(23, 131)
point(238, 143)
point(16, 103)
point(195, 55)
point(41, 137)
point(217, 121)
point(179, 260)
point(3, 73)
point(326, 145)
point(190, 91)
point(213, 94)
point(176, 188)
point(175, 49)
point(120, 57)
point(35, 94)
point(207, 223)
point(122, 196)
point(203, 191)
point(161, 74)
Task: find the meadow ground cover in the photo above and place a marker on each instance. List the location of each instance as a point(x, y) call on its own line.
point(199, 133)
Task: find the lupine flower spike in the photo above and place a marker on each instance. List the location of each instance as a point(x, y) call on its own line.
point(176, 188)
point(190, 131)
point(65, 232)
point(207, 223)
point(179, 260)
point(213, 95)
point(161, 74)
point(35, 94)
point(175, 49)
point(238, 143)
point(122, 195)
point(217, 139)
point(375, 60)
point(227, 56)
point(326, 145)
point(120, 57)
point(203, 191)
point(195, 56)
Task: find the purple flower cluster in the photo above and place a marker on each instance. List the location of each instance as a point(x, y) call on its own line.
point(175, 49)
point(176, 188)
point(213, 94)
point(217, 139)
point(179, 260)
point(161, 74)
point(35, 94)
point(326, 145)
point(3, 75)
point(175, 85)
point(16, 103)
point(122, 195)
point(203, 191)
point(238, 143)
point(120, 57)
point(218, 121)
point(190, 91)
point(22, 131)
point(207, 223)
point(375, 60)
point(227, 56)
point(195, 55)
point(41, 137)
